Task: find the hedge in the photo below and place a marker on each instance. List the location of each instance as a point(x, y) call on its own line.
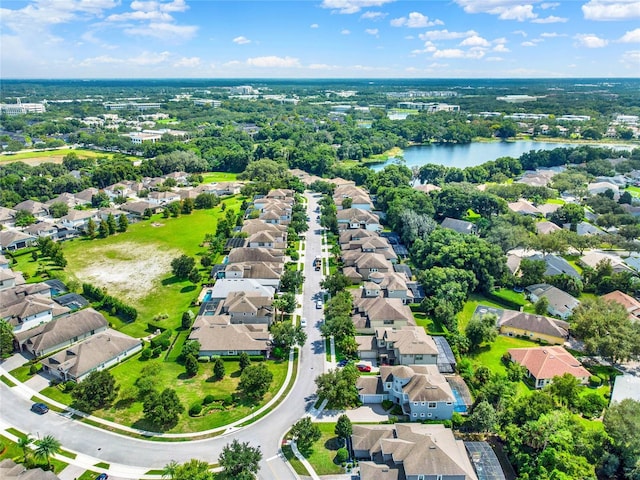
point(503, 301)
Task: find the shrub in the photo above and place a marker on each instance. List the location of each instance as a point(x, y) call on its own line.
point(157, 351)
point(69, 386)
point(595, 381)
point(342, 456)
point(195, 409)
point(208, 399)
point(204, 359)
point(33, 369)
point(387, 404)
point(146, 354)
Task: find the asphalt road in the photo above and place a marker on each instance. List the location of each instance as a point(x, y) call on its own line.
point(267, 432)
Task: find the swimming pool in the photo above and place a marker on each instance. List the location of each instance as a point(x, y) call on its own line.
point(207, 296)
point(459, 406)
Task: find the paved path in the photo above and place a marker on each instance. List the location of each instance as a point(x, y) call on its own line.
point(131, 458)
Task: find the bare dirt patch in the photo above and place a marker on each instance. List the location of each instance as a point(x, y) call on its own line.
point(35, 161)
point(127, 270)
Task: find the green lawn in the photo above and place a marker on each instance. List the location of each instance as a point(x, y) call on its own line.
point(163, 294)
point(55, 153)
point(12, 451)
point(324, 451)
point(431, 326)
point(557, 201)
point(509, 295)
point(492, 356)
point(634, 191)
point(211, 177)
point(293, 461)
point(171, 374)
point(475, 299)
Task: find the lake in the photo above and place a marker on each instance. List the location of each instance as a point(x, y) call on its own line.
point(468, 155)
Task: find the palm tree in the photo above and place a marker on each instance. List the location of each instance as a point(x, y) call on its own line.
point(23, 443)
point(47, 447)
point(169, 469)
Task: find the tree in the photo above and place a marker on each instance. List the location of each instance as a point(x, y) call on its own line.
point(565, 390)
point(305, 433)
point(343, 428)
point(162, 409)
point(541, 306)
point(191, 366)
point(6, 339)
point(335, 283)
point(187, 320)
point(58, 209)
point(572, 213)
point(483, 419)
point(182, 266)
point(111, 223)
point(23, 444)
point(481, 329)
point(606, 330)
point(338, 387)
point(285, 335)
point(91, 228)
point(218, 368)
point(123, 223)
point(187, 206)
point(622, 423)
point(239, 461)
point(244, 361)
point(170, 469)
point(96, 391)
point(285, 303)
point(47, 447)
point(24, 218)
point(103, 229)
point(291, 281)
point(531, 272)
point(255, 381)
point(194, 276)
point(192, 470)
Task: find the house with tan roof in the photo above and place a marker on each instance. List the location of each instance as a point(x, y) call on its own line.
point(78, 219)
point(65, 198)
point(139, 208)
point(265, 273)
point(62, 332)
point(411, 452)
point(372, 313)
point(524, 207)
point(32, 311)
point(561, 304)
point(217, 337)
point(357, 234)
point(84, 197)
point(163, 198)
point(352, 218)
point(547, 209)
point(15, 240)
point(97, 352)
point(366, 264)
point(10, 470)
point(544, 363)
point(545, 228)
point(9, 278)
point(258, 254)
point(266, 239)
point(7, 216)
point(421, 390)
point(427, 188)
point(244, 307)
point(253, 226)
point(21, 290)
point(37, 209)
point(627, 301)
point(593, 259)
point(372, 244)
point(408, 345)
point(533, 327)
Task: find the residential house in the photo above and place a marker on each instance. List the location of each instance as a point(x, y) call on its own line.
point(266, 239)
point(217, 337)
point(79, 219)
point(556, 265)
point(427, 188)
point(9, 278)
point(15, 240)
point(62, 332)
point(547, 209)
point(351, 218)
point(42, 229)
point(601, 187)
point(65, 198)
point(366, 266)
point(358, 234)
point(281, 194)
point(373, 244)
point(421, 390)
point(97, 352)
point(372, 313)
point(85, 196)
point(460, 226)
point(139, 208)
point(633, 262)
point(358, 197)
point(523, 207)
point(21, 290)
point(561, 304)
point(32, 311)
point(4, 263)
point(10, 470)
point(544, 228)
point(411, 452)
point(257, 254)
point(544, 363)
point(409, 345)
point(7, 217)
point(243, 307)
point(37, 209)
point(584, 228)
point(593, 259)
point(627, 301)
point(163, 198)
point(225, 286)
point(533, 327)
point(538, 178)
point(253, 226)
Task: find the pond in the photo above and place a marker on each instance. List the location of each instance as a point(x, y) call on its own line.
point(468, 155)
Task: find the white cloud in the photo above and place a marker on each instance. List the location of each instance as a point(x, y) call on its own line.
point(590, 40)
point(553, 35)
point(501, 48)
point(241, 40)
point(415, 20)
point(314, 25)
point(174, 6)
point(550, 19)
point(429, 47)
point(519, 10)
point(631, 59)
point(474, 41)
point(603, 10)
point(164, 30)
point(494, 59)
point(529, 44)
point(274, 61)
point(143, 59)
point(187, 62)
point(41, 14)
point(346, 32)
point(520, 32)
point(352, 6)
point(445, 35)
point(371, 31)
point(322, 66)
point(140, 15)
point(549, 5)
point(475, 52)
point(632, 36)
point(373, 15)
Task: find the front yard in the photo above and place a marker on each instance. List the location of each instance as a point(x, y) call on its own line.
point(324, 451)
point(168, 374)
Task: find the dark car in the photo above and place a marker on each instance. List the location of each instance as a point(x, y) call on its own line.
point(343, 362)
point(102, 476)
point(364, 368)
point(40, 408)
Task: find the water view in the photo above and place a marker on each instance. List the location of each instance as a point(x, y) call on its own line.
point(468, 155)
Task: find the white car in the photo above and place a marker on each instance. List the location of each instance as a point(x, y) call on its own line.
point(303, 322)
point(318, 304)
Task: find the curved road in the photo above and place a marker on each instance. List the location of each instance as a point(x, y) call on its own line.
point(129, 452)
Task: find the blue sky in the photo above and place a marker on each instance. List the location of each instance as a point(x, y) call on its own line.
point(319, 38)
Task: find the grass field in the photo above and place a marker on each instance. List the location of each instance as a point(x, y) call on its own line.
point(135, 266)
point(54, 155)
point(210, 177)
point(475, 299)
point(509, 295)
point(189, 390)
point(557, 201)
point(324, 451)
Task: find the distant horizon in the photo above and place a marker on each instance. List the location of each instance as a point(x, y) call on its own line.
point(313, 39)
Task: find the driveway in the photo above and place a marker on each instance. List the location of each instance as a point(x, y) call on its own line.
point(14, 361)
point(37, 382)
point(365, 413)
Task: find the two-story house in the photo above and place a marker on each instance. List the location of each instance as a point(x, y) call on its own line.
point(408, 345)
point(243, 307)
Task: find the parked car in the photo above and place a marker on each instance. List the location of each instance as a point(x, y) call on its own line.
point(343, 362)
point(318, 304)
point(40, 408)
point(102, 476)
point(363, 368)
point(303, 322)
